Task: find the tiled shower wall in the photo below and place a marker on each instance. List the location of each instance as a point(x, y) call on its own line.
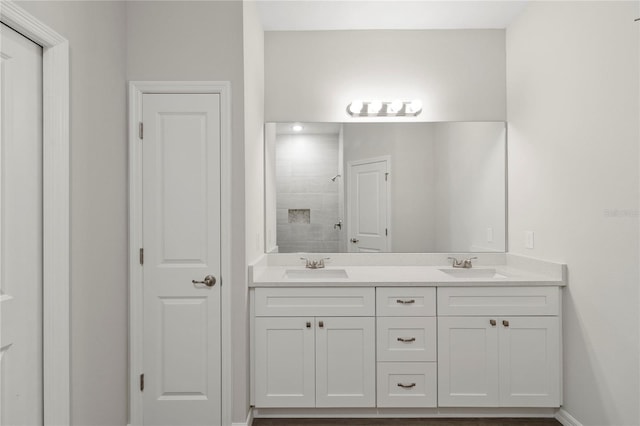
point(305, 165)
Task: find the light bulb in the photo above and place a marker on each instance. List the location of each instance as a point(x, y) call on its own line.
point(374, 107)
point(415, 106)
point(395, 106)
point(355, 107)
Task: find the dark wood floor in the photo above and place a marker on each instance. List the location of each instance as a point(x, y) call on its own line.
point(408, 422)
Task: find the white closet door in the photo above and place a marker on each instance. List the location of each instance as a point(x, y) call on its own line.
point(181, 238)
point(20, 230)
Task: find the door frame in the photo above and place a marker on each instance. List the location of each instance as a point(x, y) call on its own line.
point(55, 210)
point(348, 195)
point(136, 297)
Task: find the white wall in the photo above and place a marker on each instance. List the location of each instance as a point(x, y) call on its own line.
point(470, 186)
point(96, 33)
point(572, 80)
point(410, 147)
point(313, 75)
point(253, 41)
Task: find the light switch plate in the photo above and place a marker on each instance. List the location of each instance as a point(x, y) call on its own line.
point(528, 239)
point(489, 235)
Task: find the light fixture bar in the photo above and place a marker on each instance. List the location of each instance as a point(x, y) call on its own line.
point(377, 108)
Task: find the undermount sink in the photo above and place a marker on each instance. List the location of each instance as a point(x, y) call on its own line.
point(310, 274)
point(486, 273)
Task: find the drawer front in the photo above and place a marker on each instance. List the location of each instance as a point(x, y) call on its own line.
point(315, 301)
point(516, 301)
point(410, 384)
point(406, 339)
point(406, 301)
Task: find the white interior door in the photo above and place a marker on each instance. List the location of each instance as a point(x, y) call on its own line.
point(181, 237)
point(20, 230)
point(367, 201)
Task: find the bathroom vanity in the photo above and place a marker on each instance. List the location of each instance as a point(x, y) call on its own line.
point(427, 338)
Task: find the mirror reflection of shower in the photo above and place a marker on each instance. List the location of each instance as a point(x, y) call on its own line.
point(303, 171)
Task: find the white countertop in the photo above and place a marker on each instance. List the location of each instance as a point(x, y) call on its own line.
point(276, 276)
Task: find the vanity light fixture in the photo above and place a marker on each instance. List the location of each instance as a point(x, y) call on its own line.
point(297, 127)
point(375, 108)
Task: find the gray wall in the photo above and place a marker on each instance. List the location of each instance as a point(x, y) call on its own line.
point(203, 40)
point(573, 179)
point(410, 147)
point(470, 186)
point(99, 310)
point(314, 75)
point(111, 43)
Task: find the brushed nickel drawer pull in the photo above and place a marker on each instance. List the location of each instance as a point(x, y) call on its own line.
point(308, 324)
point(405, 302)
point(505, 323)
point(409, 340)
point(321, 324)
point(402, 385)
point(492, 322)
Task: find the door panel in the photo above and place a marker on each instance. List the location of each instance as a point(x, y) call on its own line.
point(345, 362)
point(285, 362)
point(529, 362)
point(467, 362)
point(20, 230)
point(367, 201)
point(181, 237)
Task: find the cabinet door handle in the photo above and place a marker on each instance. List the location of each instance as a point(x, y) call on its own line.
point(409, 340)
point(321, 324)
point(402, 385)
point(405, 302)
point(308, 324)
point(505, 323)
point(492, 322)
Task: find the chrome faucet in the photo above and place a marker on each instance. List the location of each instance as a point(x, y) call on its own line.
point(464, 263)
point(314, 264)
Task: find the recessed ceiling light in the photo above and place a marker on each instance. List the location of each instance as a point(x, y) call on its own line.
point(297, 127)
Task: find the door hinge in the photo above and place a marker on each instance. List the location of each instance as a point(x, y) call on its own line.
point(141, 382)
point(386, 176)
point(140, 130)
point(142, 256)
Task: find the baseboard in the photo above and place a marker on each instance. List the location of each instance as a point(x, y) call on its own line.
point(247, 422)
point(566, 419)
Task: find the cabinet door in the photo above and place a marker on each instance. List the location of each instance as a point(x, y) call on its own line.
point(345, 362)
point(529, 362)
point(468, 362)
point(284, 362)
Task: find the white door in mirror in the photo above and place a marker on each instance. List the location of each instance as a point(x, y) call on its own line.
point(367, 200)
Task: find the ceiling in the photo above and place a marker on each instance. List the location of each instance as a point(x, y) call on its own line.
point(306, 15)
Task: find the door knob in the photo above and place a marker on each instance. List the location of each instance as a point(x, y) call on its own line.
point(209, 281)
point(354, 240)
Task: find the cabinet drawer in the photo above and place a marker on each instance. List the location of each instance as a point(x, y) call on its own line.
point(410, 384)
point(406, 339)
point(406, 301)
point(315, 301)
point(517, 301)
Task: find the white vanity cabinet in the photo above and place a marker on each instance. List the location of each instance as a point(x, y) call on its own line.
point(314, 347)
point(499, 347)
point(406, 347)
